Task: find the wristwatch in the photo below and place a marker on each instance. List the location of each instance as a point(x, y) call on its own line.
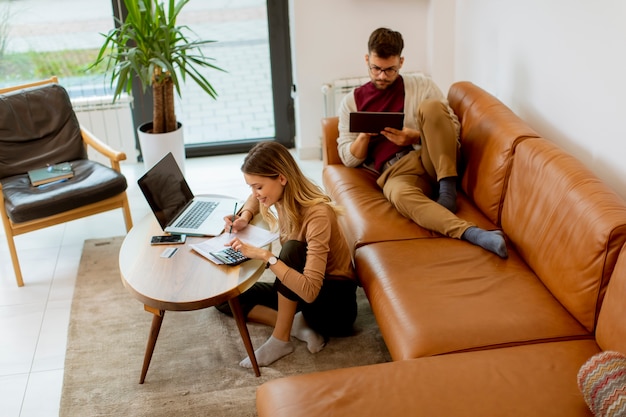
point(271, 261)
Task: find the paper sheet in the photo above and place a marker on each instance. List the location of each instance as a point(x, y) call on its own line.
point(253, 235)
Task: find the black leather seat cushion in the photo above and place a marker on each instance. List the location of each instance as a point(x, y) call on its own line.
point(92, 182)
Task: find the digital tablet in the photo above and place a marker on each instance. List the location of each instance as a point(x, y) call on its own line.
point(375, 122)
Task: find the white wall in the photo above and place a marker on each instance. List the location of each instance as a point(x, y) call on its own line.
point(559, 64)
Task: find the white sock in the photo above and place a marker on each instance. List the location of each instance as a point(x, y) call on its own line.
point(301, 331)
point(272, 350)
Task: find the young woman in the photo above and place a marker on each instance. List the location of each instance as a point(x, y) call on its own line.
point(314, 294)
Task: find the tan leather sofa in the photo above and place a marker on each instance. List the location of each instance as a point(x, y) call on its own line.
point(470, 333)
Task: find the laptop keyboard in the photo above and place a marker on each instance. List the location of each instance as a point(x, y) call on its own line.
point(198, 213)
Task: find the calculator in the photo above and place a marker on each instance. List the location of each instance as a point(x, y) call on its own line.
point(230, 256)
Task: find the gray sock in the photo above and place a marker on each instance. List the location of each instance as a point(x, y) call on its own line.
point(492, 241)
point(301, 331)
point(272, 350)
point(447, 193)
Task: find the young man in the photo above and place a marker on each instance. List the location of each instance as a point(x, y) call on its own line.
point(418, 162)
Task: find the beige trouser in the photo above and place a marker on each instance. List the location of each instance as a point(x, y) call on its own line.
point(409, 184)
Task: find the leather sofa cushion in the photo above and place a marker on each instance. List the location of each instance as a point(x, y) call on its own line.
point(489, 133)
point(522, 381)
point(92, 182)
point(38, 127)
point(567, 225)
point(436, 296)
point(356, 190)
point(370, 217)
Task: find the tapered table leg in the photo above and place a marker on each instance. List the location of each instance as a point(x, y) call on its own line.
point(235, 307)
point(157, 320)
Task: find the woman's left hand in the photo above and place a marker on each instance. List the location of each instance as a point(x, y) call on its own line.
point(247, 250)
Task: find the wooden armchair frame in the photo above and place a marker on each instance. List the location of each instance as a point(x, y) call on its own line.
point(119, 201)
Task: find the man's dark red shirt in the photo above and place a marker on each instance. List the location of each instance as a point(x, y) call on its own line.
point(391, 99)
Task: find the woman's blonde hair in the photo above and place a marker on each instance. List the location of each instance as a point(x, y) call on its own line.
point(271, 159)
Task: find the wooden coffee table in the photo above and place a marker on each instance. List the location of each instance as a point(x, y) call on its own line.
point(186, 281)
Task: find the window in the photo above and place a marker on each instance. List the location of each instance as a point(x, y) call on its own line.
point(39, 38)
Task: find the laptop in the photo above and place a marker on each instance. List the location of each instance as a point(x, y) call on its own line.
point(177, 210)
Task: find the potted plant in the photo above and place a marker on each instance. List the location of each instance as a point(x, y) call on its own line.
point(150, 46)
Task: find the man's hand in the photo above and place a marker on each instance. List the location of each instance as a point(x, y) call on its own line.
point(404, 137)
point(358, 148)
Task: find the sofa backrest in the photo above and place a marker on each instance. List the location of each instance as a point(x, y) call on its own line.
point(37, 127)
point(489, 133)
point(611, 329)
point(565, 223)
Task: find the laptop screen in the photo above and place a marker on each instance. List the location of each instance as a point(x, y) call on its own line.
point(165, 189)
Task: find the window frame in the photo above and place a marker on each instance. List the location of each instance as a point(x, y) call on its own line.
point(282, 87)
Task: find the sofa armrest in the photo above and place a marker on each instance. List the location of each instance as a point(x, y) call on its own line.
point(330, 133)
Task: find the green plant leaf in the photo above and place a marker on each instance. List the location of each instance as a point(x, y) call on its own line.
point(150, 46)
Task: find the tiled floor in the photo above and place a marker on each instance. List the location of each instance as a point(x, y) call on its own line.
point(34, 318)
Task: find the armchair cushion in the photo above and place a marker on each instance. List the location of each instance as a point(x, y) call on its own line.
point(92, 182)
point(37, 127)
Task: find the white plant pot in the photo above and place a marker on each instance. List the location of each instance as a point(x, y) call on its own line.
point(154, 146)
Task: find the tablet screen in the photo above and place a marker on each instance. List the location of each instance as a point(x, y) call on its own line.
point(375, 122)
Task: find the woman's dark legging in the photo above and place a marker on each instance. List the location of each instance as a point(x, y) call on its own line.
point(332, 313)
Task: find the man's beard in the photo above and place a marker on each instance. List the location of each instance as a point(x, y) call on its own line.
point(381, 85)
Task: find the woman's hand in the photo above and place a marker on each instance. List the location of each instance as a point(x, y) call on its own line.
point(248, 250)
point(238, 224)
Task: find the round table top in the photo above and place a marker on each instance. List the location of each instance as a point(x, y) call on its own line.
point(187, 280)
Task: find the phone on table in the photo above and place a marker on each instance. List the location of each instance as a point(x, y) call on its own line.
point(168, 239)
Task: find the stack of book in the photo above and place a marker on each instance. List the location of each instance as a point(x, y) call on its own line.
point(51, 173)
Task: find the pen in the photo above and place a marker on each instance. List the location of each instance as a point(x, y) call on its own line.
point(233, 220)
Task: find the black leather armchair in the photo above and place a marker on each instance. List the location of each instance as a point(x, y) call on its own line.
point(39, 127)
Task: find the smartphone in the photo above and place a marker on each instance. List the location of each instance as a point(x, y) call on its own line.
point(168, 239)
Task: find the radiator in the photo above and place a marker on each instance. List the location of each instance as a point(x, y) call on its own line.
point(110, 122)
point(334, 92)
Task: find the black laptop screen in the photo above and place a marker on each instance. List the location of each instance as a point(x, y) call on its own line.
point(165, 189)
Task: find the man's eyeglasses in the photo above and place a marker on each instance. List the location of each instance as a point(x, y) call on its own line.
point(391, 71)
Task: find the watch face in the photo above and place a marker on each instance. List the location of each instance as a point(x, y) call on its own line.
point(271, 261)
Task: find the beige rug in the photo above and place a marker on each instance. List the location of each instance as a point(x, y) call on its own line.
point(194, 369)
